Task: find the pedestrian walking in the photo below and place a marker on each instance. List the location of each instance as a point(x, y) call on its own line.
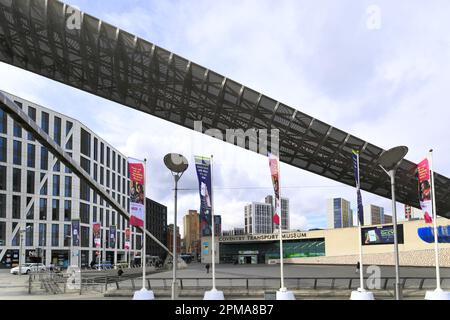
point(358, 266)
point(207, 268)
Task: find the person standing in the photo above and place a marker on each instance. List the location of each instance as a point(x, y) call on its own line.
point(358, 266)
point(207, 268)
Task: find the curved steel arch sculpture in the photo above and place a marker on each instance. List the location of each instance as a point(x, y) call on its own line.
point(101, 59)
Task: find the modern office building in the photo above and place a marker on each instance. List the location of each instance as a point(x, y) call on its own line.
point(339, 213)
point(170, 238)
point(156, 223)
point(258, 218)
point(217, 225)
point(285, 221)
point(375, 215)
point(234, 232)
point(191, 231)
point(40, 197)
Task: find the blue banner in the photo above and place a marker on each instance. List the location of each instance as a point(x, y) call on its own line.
point(203, 167)
point(355, 158)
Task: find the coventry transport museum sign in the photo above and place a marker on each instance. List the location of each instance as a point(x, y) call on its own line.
point(264, 237)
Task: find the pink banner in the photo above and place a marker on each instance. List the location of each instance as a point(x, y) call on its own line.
point(275, 173)
point(137, 192)
point(423, 170)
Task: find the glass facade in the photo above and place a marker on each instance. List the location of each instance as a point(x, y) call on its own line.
point(231, 252)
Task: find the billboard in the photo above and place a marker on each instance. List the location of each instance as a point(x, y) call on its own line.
point(127, 238)
point(381, 235)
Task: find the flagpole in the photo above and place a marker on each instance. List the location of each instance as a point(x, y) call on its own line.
point(361, 268)
point(213, 251)
point(144, 253)
point(436, 242)
point(278, 206)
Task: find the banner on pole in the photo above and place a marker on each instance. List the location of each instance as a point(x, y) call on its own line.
point(274, 165)
point(112, 236)
point(137, 192)
point(127, 239)
point(355, 158)
point(75, 233)
point(96, 230)
point(203, 168)
point(423, 170)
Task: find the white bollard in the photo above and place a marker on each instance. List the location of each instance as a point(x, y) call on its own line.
point(214, 294)
point(284, 294)
point(144, 294)
point(361, 295)
point(437, 294)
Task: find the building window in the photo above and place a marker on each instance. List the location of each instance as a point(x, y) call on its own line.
point(30, 182)
point(43, 191)
point(113, 160)
point(55, 210)
point(101, 175)
point(55, 235)
point(42, 209)
point(94, 214)
point(95, 149)
point(69, 126)
point(119, 164)
point(30, 213)
point(2, 178)
point(108, 158)
point(56, 185)
point(29, 234)
point(17, 130)
point(102, 153)
point(68, 187)
point(85, 147)
point(84, 213)
point(57, 131)
point(17, 152)
point(32, 115)
point(67, 210)
point(45, 122)
point(16, 207)
point(95, 172)
point(44, 158)
point(85, 164)
point(85, 191)
point(31, 155)
point(69, 144)
point(3, 149)
point(2, 205)
point(3, 122)
point(67, 235)
point(2, 233)
point(85, 237)
point(42, 234)
point(17, 180)
point(57, 166)
point(107, 178)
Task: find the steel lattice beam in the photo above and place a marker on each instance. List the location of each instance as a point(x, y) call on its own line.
point(111, 63)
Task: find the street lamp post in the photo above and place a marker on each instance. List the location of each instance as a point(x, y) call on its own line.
point(21, 232)
point(389, 162)
point(177, 164)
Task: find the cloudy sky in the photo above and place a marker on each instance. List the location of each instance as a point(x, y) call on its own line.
point(377, 69)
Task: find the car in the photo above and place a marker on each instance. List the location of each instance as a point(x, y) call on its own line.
point(27, 268)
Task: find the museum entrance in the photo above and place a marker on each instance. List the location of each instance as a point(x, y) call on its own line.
point(248, 257)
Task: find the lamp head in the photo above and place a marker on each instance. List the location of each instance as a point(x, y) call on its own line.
point(176, 162)
point(391, 158)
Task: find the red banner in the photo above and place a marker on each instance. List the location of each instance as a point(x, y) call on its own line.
point(423, 170)
point(137, 192)
point(275, 173)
